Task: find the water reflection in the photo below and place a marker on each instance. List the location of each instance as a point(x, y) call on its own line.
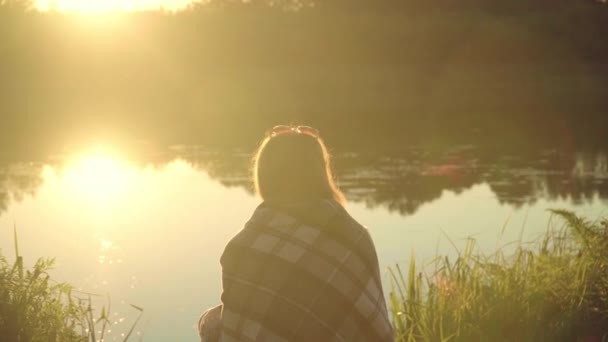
point(134, 229)
point(400, 182)
point(18, 181)
point(150, 230)
point(403, 181)
point(98, 176)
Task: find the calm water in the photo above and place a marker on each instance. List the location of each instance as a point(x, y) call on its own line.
point(149, 230)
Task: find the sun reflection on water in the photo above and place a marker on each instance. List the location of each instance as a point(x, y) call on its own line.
point(107, 252)
point(99, 177)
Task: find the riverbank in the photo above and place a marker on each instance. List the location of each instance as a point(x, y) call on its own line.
point(554, 289)
point(33, 307)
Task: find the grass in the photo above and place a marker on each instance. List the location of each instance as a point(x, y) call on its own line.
point(35, 308)
point(557, 291)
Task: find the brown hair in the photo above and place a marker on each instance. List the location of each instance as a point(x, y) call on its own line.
point(294, 166)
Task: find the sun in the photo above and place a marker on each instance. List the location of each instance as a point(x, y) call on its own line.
point(108, 6)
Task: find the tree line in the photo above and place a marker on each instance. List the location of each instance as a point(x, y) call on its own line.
point(388, 70)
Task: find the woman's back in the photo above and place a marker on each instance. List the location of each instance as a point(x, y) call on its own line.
point(302, 269)
point(302, 272)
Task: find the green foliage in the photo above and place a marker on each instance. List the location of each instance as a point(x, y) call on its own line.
point(557, 293)
point(32, 308)
point(35, 308)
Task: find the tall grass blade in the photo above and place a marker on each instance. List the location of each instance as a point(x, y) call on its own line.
point(141, 312)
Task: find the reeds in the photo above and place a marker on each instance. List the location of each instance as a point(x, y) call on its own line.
point(557, 291)
point(35, 308)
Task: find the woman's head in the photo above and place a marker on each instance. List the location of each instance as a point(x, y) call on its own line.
point(293, 164)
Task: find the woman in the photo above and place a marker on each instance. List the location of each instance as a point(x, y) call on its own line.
point(301, 269)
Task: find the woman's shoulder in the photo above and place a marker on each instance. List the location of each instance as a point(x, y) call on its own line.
point(326, 217)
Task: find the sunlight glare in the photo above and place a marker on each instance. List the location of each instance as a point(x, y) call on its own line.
point(98, 176)
point(107, 6)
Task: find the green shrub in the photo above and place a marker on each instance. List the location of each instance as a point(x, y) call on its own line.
point(32, 308)
point(559, 292)
point(35, 308)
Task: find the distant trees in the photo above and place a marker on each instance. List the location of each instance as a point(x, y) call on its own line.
point(496, 6)
point(226, 70)
point(16, 5)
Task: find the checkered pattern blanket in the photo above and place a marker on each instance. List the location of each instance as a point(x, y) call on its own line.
point(306, 272)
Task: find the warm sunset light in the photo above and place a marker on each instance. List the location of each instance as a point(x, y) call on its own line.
point(106, 6)
point(304, 170)
point(98, 176)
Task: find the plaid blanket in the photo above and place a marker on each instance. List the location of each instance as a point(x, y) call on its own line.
point(306, 272)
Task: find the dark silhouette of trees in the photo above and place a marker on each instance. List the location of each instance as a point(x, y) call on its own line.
point(400, 71)
point(18, 181)
point(404, 180)
point(16, 6)
point(401, 181)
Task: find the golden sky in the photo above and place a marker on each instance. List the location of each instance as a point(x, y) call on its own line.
point(104, 6)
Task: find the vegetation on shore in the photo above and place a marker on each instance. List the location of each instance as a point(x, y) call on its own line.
point(35, 308)
point(557, 292)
